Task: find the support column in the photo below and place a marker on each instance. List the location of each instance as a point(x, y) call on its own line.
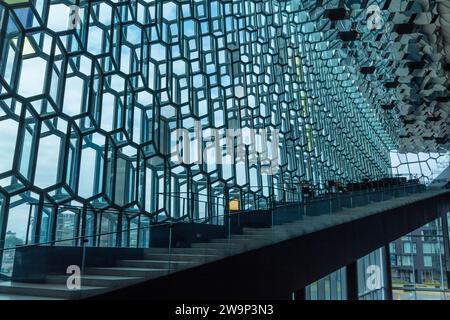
point(4, 212)
point(119, 230)
point(38, 220)
point(446, 247)
point(387, 273)
point(352, 281)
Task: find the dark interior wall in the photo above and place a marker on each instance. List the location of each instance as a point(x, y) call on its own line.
point(32, 264)
point(183, 234)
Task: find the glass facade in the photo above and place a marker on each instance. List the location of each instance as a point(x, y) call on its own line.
point(372, 276)
point(97, 98)
point(92, 94)
point(419, 263)
point(428, 167)
point(371, 279)
point(331, 287)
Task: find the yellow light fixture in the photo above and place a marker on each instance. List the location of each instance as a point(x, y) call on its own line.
point(234, 205)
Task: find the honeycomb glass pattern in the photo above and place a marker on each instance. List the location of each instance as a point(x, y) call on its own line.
point(427, 167)
point(91, 93)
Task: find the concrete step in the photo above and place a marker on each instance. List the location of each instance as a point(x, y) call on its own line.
point(15, 297)
point(291, 229)
point(147, 273)
point(248, 237)
point(260, 231)
point(49, 290)
point(303, 223)
point(247, 229)
point(276, 234)
point(288, 230)
point(345, 217)
point(325, 221)
point(321, 217)
point(239, 241)
point(180, 257)
point(243, 235)
point(307, 217)
point(162, 264)
point(333, 218)
point(304, 227)
point(246, 243)
point(196, 251)
point(213, 245)
point(97, 280)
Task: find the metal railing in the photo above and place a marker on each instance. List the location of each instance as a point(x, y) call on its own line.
point(219, 219)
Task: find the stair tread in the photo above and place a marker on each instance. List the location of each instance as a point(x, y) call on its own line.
point(237, 239)
point(193, 255)
point(24, 297)
point(128, 268)
point(98, 277)
point(46, 286)
point(162, 261)
point(201, 244)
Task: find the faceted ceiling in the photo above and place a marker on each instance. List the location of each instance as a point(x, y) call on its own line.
point(403, 50)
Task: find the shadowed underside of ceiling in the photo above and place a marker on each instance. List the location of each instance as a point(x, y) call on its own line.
point(402, 49)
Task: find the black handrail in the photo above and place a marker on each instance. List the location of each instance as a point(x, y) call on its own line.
point(88, 208)
point(363, 192)
point(223, 197)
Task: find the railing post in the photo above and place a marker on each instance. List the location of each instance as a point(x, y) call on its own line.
point(83, 223)
point(331, 204)
point(30, 211)
point(4, 212)
point(272, 211)
point(229, 225)
point(351, 197)
point(94, 228)
point(83, 258)
point(54, 224)
point(119, 230)
point(38, 220)
point(138, 233)
point(170, 245)
point(77, 230)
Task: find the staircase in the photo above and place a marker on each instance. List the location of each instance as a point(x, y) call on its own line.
point(158, 262)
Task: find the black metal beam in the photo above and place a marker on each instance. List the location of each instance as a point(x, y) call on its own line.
point(351, 272)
